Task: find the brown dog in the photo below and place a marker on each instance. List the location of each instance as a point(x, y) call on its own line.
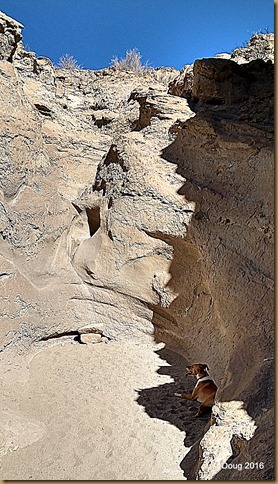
point(204, 390)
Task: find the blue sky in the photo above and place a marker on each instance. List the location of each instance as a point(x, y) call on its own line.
point(166, 32)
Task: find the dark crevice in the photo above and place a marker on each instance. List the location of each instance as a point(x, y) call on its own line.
point(101, 122)
point(100, 186)
point(113, 157)
point(146, 111)
point(93, 215)
point(17, 38)
point(59, 335)
point(78, 209)
point(44, 110)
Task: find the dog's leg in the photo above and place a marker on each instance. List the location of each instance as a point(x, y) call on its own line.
point(188, 396)
point(203, 410)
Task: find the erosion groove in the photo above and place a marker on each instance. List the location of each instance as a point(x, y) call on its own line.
point(139, 215)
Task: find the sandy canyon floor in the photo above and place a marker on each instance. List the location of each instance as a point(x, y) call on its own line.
point(72, 411)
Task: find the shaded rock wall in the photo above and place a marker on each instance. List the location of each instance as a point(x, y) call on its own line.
point(225, 154)
point(148, 213)
point(226, 160)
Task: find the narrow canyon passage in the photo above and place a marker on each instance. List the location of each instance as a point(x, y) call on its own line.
point(137, 212)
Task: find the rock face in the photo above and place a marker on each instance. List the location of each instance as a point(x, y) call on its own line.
point(259, 47)
point(144, 212)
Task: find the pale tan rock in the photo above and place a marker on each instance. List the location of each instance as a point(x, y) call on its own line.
point(230, 419)
point(182, 84)
point(90, 338)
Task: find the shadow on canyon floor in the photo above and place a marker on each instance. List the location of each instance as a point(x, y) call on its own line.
point(160, 402)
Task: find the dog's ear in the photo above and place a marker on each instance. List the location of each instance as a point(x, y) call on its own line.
point(205, 366)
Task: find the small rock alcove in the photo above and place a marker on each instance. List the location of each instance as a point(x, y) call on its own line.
point(93, 215)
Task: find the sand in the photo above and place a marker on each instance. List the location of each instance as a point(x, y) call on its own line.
point(72, 411)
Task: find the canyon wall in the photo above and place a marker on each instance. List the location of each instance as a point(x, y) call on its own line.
point(144, 210)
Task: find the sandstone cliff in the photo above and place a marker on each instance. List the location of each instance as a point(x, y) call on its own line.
point(145, 212)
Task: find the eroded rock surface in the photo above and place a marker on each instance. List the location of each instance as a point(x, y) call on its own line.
point(143, 212)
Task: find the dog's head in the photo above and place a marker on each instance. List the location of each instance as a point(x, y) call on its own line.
point(197, 369)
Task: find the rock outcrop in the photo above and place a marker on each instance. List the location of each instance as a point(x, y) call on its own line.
point(10, 36)
point(144, 212)
point(260, 46)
